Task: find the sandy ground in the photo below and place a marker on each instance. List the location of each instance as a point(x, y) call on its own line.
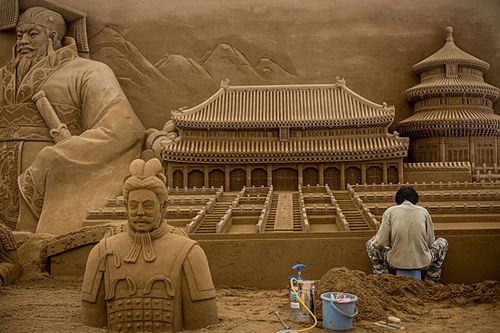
point(45, 305)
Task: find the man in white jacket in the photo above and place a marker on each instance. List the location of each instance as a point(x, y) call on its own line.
point(405, 239)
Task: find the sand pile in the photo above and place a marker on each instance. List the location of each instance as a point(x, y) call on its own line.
point(384, 295)
point(30, 252)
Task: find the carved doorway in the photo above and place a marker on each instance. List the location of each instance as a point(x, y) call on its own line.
point(195, 178)
point(259, 177)
point(392, 175)
point(285, 179)
point(353, 175)
point(332, 178)
point(374, 175)
point(238, 179)
point(178, 179)
point(216, 178)
point(310, 176)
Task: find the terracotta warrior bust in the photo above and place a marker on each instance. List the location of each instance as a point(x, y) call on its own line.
point(152, 278)
point(9, 265)
point(67, 131)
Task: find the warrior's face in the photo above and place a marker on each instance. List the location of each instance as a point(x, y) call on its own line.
point(144, 210)
point(32, 40)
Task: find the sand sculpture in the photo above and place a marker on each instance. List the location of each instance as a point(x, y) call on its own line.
point(66, 128)
point(454, 119)
point(152, 277)
point(9, 265)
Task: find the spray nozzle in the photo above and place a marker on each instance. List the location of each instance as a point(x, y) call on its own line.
point(299, 268)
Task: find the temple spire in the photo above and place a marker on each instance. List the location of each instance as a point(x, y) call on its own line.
point(449, 36)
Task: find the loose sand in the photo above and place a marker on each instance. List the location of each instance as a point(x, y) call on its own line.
point(46, 305)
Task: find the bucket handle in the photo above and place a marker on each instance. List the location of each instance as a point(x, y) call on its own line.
point(343, 313)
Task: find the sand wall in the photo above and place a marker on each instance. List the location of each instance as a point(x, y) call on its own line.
point(264, 260)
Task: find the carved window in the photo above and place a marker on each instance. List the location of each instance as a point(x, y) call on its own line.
point(284, 133)
point(451, 70)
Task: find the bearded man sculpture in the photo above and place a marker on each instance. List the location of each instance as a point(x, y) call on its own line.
point(152, 278)
point(66, 129)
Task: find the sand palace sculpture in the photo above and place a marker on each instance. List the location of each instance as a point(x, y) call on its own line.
point(284, 136)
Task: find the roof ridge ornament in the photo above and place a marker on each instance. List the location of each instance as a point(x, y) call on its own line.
point(224, 83)
point(449, 36)
point(340, 81)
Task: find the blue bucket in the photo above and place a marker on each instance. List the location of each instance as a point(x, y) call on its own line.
point(338, 316)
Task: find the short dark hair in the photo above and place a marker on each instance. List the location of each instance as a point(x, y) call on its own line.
point(406, 193)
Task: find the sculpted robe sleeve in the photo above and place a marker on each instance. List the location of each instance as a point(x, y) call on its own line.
point(93, 303)
point(80, 172)
point(198, 291)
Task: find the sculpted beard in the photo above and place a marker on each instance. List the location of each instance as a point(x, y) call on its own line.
point(24, 62)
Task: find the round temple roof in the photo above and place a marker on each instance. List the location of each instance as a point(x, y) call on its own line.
point(450, 53)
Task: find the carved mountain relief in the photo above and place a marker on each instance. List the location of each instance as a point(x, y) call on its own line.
point(175, 80)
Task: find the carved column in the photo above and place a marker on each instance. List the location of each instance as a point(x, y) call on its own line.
point(227, 186)
point(170, 175)
point(205, 174)
point(321, 174)
point(301, 177)
point(185, 176)
point(384, 172)
point(269, 175)
point(342, 176)
point(472, 148)
point(363, 173)
point(442, 149)
point(249, 175)
point(495, 151)
point(401, 178)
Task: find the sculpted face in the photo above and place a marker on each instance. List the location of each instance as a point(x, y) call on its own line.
point(144, 210)
point(32, 40)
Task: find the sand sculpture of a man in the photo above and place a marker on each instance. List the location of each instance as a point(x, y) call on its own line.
point(152, 278)
point(67, 131)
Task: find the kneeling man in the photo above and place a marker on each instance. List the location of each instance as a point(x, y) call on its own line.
point(152, 278)
point(405, 239)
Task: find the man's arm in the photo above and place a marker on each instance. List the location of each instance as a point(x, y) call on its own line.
point(383, 236)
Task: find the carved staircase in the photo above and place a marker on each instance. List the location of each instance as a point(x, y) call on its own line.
point(297, 223)
point(272, 213)
point(352, 214)
point(209, 223)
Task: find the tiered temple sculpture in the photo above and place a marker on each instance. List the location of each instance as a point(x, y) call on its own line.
point(454, 118)
point(285, 136)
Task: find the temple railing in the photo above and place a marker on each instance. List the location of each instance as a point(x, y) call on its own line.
point(192, 190)
point(427, 186)
point(447, 209)
point(306, 226)
point(261, 223)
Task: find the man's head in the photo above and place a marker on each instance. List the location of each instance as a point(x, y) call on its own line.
point(35, 27)
point(406, 193)
point(145, 195)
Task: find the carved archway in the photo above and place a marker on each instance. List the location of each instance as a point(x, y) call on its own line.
point(310, 176)
point(392, 175)
point(237, 179)
point(353, 175)
point(332, 178)
point(195, 178)
point(216, 178)
point(259, 177)
point(285, 179)
point(374, 175)
point(178, 178)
